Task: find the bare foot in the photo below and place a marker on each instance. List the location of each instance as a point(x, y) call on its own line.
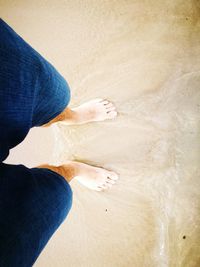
point(94, 178)
point(97, 109)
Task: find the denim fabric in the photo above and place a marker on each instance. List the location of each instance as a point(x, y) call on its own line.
point(32, 91)
point(33, 201)
point(33, 204)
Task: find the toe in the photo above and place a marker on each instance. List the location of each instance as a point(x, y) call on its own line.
point(103, 186)
point(109, 105)
point(112, 114)
point(113, 176)
point(105, 102)
point(111, 182)
point(110, 109)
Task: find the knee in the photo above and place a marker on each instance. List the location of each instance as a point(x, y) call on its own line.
point(63, 198)
point(60, 198)
point(62, 95)
point(56, 196)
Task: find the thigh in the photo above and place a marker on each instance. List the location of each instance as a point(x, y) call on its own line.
point(32, 91)
point(33, 203)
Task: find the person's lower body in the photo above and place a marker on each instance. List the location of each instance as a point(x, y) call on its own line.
point(35, 201)
point(33, 204)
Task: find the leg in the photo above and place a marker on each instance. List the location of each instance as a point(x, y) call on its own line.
point(32, 91)
point(67, 115)
point(92, 177)
point(33, 204)
point(94, 110)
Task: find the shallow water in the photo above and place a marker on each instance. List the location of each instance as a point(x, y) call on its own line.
point(144, 57)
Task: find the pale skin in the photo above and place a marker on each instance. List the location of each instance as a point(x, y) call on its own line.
point(92, 177)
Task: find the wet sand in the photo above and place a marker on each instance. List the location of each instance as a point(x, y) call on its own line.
point(144, 57)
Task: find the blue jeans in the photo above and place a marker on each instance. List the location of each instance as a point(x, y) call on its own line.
point(33, 201)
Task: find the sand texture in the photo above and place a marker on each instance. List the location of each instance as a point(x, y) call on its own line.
point(144, 56)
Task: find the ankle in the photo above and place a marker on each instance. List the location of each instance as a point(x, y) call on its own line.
point(70, 115)
point(68, 170)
